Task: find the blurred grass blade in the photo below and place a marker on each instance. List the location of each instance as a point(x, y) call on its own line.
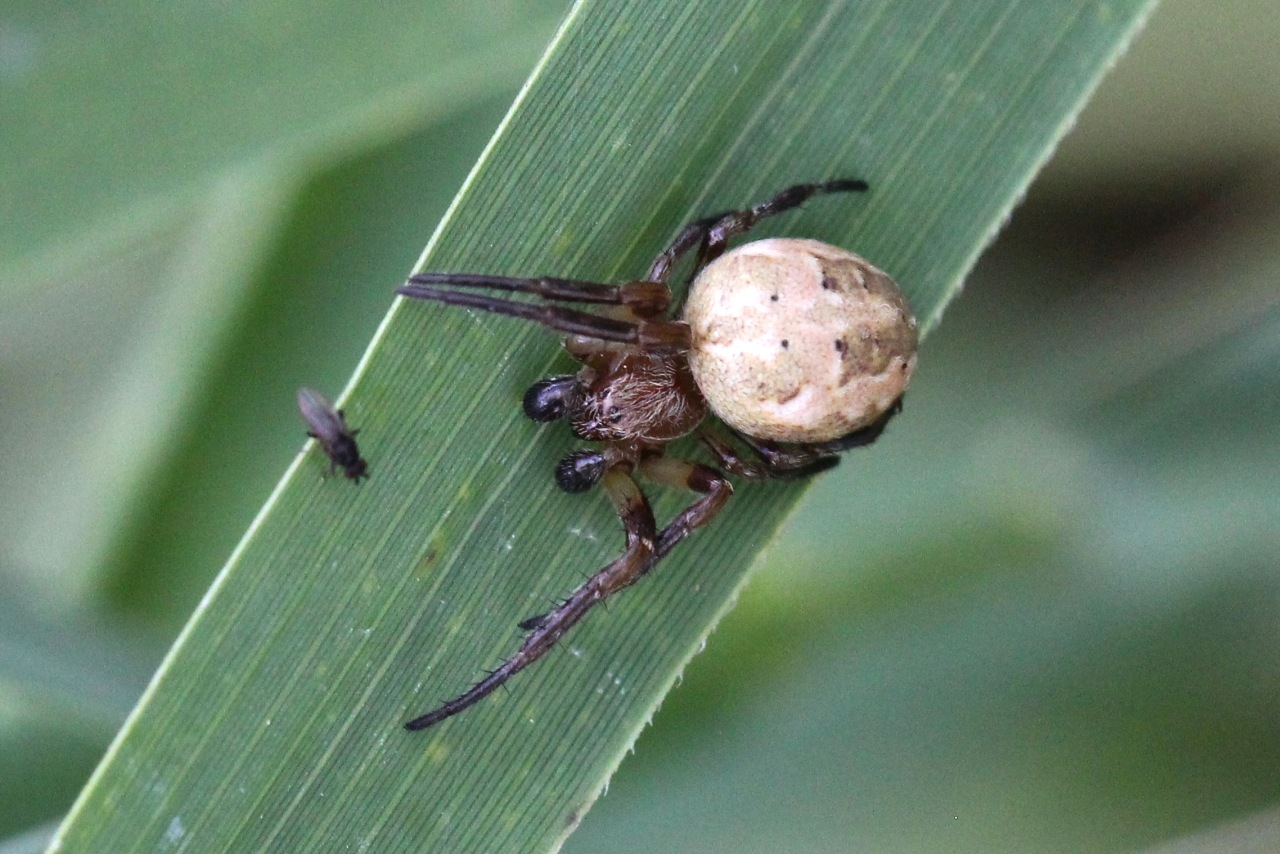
point(152, 154)
point(275, 722)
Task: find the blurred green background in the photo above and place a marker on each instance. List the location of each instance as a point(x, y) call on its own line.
point(1043, 615)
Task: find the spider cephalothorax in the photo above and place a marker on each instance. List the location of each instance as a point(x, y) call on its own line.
point(801, 349)
point(635, 398)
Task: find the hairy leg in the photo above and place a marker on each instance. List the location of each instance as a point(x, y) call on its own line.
point(645, 548)
point(774, 460)
point(710, 236)
point(652, 335)
point(645, 299)
point(546, 629)
point(714, 488)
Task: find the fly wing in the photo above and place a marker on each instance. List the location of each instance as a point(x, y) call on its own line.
point(321, 417)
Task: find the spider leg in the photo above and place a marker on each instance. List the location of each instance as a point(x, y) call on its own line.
point(545, 630)
point(790, 462)
point(645, 299)
point(652, 335)
point(711, 234)
point(691, 236)
point(714, 488)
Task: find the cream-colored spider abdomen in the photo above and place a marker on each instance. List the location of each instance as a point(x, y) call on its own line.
point(798, 341)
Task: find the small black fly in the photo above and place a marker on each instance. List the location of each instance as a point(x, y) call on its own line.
point(329, 428)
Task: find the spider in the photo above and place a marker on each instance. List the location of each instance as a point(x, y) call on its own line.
point(802, 350)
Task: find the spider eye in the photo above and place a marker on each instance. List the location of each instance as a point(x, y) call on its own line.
point(580, 470)
point(548, 400)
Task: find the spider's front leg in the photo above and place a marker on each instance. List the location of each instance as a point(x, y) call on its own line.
point(546, 629)
point(645, 548)
point(638, 306)
point(715, 489)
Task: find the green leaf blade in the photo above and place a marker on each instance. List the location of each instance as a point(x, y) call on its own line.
point(275, 723)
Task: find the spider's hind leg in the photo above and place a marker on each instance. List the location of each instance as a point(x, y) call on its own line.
point(791, 462)
point(710, 235)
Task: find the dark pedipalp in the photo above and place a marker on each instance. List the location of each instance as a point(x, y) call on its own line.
point(581, 470)
point(550, 399)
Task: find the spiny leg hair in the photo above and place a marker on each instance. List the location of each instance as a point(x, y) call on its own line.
point(645, 548)
point(641, 531)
